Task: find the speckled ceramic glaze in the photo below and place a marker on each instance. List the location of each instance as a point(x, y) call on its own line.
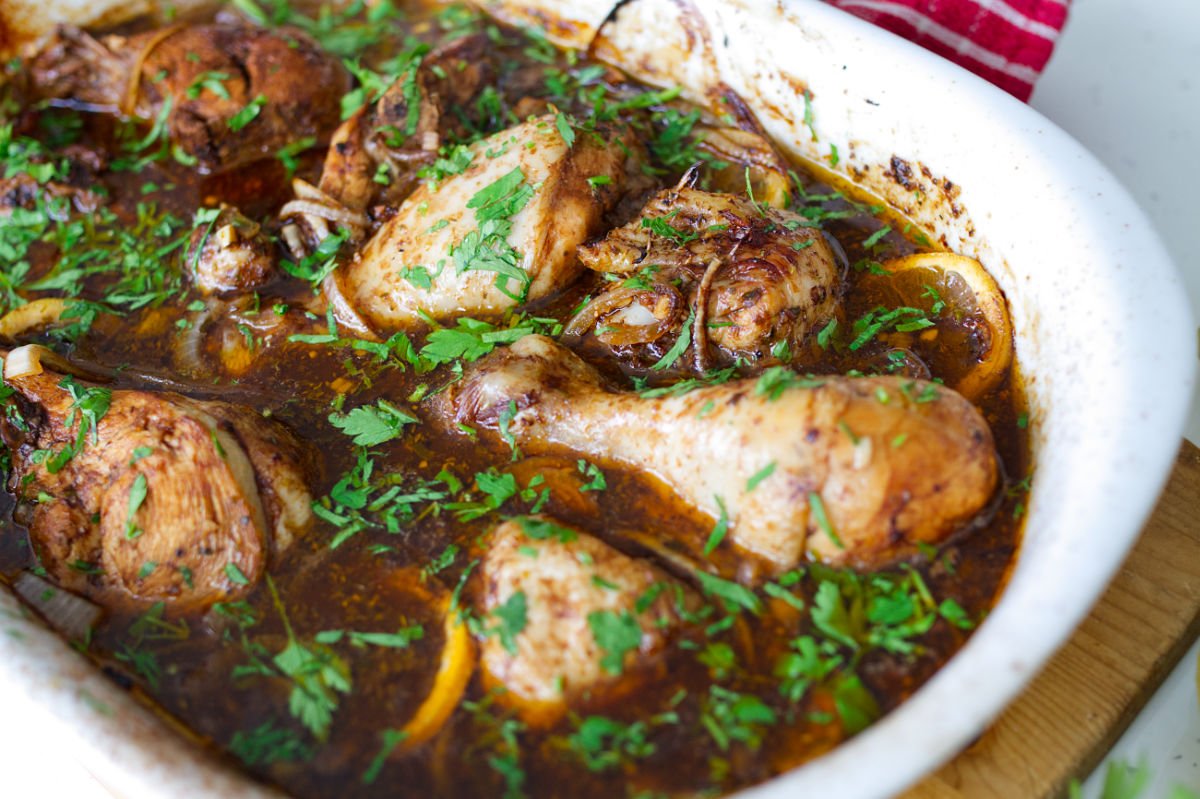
point(1104, 337)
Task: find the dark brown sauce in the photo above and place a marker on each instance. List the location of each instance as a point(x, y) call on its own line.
point(373, 581)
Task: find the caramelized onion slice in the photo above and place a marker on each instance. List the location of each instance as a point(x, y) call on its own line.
point(312, 202)
point(27, 361)
point(33, 315)
point(343, 311)
point(660, 302)
point(71, 615)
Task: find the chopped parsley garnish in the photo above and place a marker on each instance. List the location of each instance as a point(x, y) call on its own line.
point(825, 335)
point(452, 160)
point(563, 125)
point(213, 82)
point(807, 663)
point(759, 476)
point(90, 403)
point(344, 29)
point(719, 529)
point(661, 226)
point(267, 744)
point(817, 506)
point(510, 620)
point(773, 382)
point(680, 346)
point(682, 387)
point(880, 319)
point(316, 673)
point(732, 595)
point(236, 575)
point(730, 716)
point(471, 339)
point(604, 744)
point(486, 248)
point(400, 639)
point(371, 425)
point(390, 740)
point(541, 529)
point(616, 634)
point(591, 471)
point(288, 152)
point(248, 114)
point(137, 495)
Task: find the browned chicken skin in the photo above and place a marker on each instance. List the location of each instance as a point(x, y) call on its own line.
point(851, 471)
point(210, 74)
point(435, 258)
point(168, 498)
point(566, 579)
point(747, 276)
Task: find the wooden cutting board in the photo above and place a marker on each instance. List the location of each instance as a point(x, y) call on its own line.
point(1072, 714)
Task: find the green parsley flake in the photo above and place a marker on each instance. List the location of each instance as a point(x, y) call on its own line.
point(617, 634)
point(248, 114)
point(137, 495)
point(511, 618)
point(759, 476)
point(720, 528)
point(679, 347)
point(371, 425)
point(817, 505)
point(733, 595)
point(235, 575)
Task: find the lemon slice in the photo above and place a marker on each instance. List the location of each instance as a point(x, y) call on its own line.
point(454, 672)
point(971, 296)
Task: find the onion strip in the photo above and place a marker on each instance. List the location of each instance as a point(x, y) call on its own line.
point(129, 102)
point(343, 311)
point(700, 325)
point(337, 214)
point(36, 314)
point(27, 361)
point(622, 297)
point(69, 614)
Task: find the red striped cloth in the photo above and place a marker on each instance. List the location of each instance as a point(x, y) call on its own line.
point(1008, 42)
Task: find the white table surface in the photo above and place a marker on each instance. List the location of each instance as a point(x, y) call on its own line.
point(1125, 81)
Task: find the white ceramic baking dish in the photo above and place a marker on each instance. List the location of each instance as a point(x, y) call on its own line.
point(1104, 336)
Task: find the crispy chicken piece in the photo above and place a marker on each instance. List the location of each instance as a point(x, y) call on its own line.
point(166, 498)
point(237, 93)
point(570, 584)
point(231, 254)
point(850, 471)
point(747, 275)
point(501, 233)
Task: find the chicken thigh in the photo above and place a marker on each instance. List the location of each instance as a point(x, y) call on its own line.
point(848, 470)
point(149, 494)
point(735, 273)
point(231, 94)
point(499, 234)
point(569, 588)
